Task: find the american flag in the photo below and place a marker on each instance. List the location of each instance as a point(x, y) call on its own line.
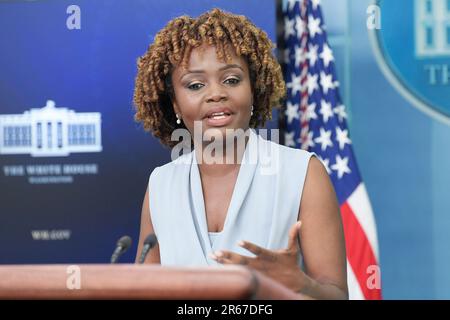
point(315, 120)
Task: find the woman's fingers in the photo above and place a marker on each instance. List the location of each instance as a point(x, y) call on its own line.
point(257, 250)
point(228, 257)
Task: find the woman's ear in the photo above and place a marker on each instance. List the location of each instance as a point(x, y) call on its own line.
point(176, 109)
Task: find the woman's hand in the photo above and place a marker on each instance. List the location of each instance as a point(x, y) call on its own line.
point(280, 265)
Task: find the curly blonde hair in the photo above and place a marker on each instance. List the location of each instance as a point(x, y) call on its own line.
point(172, 47)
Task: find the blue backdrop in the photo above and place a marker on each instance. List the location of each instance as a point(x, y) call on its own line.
point(91, 69)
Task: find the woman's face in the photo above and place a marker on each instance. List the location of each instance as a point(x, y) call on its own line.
point(215, 93)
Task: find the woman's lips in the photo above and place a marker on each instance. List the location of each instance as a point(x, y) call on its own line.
point(219, 119)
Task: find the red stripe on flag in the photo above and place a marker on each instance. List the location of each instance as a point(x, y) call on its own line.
point(359, 251)
point(304, 123)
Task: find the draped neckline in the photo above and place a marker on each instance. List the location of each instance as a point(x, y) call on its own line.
point(244, 179)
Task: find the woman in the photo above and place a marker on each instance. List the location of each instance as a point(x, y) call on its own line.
point(224, 205)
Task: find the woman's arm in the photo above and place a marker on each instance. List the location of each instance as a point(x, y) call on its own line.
point(146, 229)
point(322, 244)
point(322, 237)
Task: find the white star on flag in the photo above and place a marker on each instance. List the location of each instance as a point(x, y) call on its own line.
point(326, 81)
point(342, 137)
point(288, 28)
point(314, 26)
point(291, 111)
point(300, 25)
point(340, 111)
point(311, 112)
point(326, 55)
point(341, 166)
point(295, 84)
point(324, 139)
point(312, 54)
point(311, 83)
point(289, 139)
point(325, 110)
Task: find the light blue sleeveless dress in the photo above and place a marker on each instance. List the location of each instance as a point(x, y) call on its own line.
point(264, 205)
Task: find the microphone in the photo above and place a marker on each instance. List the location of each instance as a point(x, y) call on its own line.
point(122, 245)
point(149, 243)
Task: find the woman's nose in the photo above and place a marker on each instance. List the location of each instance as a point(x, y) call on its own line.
point(216, 93)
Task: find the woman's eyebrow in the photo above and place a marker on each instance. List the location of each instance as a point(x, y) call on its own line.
point(228, 66)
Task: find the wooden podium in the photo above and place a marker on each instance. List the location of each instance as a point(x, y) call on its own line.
point(132, 281)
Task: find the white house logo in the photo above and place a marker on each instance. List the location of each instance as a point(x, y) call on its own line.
point(413, 50)
point(50, 132)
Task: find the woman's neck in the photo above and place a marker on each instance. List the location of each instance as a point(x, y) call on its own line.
point(221, 159)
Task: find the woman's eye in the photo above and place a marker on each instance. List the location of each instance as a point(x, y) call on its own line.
point(232, 80)
point(195, 86)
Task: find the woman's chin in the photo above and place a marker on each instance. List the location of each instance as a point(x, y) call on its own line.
point(216, 134)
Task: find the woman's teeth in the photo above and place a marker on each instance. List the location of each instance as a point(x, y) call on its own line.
point(219, 115)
